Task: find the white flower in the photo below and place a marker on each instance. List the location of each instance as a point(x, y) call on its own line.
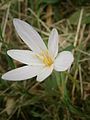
point(41, 60)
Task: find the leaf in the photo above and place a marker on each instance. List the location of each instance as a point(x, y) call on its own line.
point(36, 114)
point(69, 48)
point(1, 37)
point(50, 85)
point(74, 18)
point(50, 1)
point(10, 62)
point(86, 20)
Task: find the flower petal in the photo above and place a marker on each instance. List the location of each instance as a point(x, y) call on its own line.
point(63, 61)
point(53, 43)
point(29, 35)
point(22, 73)
point(46, 71)
point(24, 56)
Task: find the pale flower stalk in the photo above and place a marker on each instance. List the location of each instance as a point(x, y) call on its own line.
point(40, 61)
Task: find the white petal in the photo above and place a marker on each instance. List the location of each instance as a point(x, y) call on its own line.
point(21, 73)
point(44, 73)
point(63, 61)
point(53, 43)
point(24, 56)
point(29, 35)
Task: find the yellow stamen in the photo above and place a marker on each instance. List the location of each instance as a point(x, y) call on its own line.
point(45, 58)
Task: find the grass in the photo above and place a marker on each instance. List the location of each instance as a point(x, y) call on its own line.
point(62, 96)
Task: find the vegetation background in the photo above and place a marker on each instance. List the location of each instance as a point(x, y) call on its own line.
point(29, 100)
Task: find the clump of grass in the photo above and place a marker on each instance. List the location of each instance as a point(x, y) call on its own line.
point(63, 96)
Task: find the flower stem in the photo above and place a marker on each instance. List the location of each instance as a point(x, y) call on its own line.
point(60, 79)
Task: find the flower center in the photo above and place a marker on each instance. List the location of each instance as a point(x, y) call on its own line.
point(46, 58)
